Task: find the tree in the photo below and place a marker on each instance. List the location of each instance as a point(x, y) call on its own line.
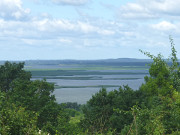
point(16, 120)
point(160, 114)
point(33, 96)
point(10, 72)
point(163, 76)
point(101, 115)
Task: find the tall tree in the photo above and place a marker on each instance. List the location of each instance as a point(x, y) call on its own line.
point(10, 72)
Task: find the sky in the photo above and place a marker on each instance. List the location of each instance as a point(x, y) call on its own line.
point(87, 29)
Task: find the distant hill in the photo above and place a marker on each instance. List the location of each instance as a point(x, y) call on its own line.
point(120, 61)
point(112, 62)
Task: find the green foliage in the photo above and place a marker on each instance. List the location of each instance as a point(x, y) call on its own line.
point(145, 121)
point(34, 94)
point(9, 72)
point(162, 76)
point(25, 98)
point(160, 112)
point(72, 105)
point(99, 114)
point(159, 119)
point(16, 120)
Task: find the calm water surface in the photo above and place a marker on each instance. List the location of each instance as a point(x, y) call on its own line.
point(79, 85)
point(82, 95)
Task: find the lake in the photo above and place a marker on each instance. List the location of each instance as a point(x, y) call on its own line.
point(81, 95)
point(80, 88)
point(76, 81)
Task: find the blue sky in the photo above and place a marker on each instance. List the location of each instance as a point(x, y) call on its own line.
point(87, 29)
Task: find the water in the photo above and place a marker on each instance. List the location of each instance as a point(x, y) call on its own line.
point(82, 95)
point(79, 85)
point(81, 91)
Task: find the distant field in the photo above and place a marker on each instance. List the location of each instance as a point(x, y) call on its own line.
point(80, 72)
point(83, 67)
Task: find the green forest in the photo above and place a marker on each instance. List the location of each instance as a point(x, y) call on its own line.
point(28, 107)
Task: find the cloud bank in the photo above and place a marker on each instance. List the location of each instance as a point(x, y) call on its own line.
point(153, 9)
point(135, 25)
point(12, 9)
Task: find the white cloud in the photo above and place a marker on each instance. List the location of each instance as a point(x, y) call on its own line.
point(52, 29)
point(135, 11)
point(152, 9)
point(89, 32)
point(63, 40)
point(86, 28)
point(170, 7)
point(12, 9)
point(164, 26)
point(89, 28)
point(71, 2)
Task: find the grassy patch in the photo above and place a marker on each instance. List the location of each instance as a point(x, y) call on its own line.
point(79, 116)
point(93, 68)
point(42, 73)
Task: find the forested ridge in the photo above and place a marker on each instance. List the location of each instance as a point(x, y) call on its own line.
point(27, 107)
